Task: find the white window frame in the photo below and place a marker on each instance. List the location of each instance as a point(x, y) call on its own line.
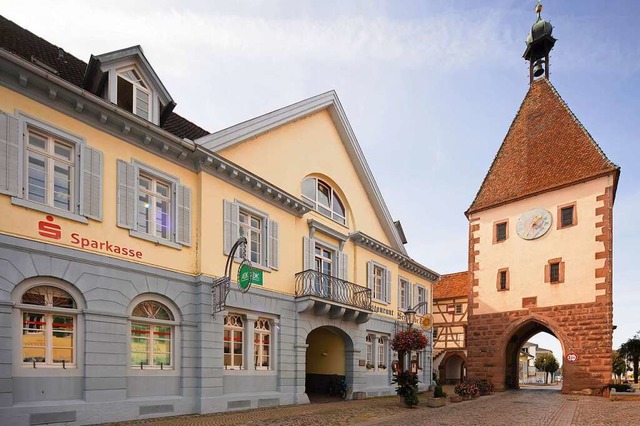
point(404, 286)
point(136, 87)
point(25, 369)
point(374, 291)
point(154, 196)
point(152, 323)
point(421, 296)
point(381, 352)
point(259, 334)
point(369, 352)
point(317, 204)
point(234, 329)
point(264, 233)
point(27, 124)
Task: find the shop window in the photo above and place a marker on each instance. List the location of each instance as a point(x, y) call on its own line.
point(152, 336)
point(369, 352)
point(382, 353)
point(233, 342)
point(262, 344)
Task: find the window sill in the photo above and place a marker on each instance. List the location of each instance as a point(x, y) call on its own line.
point(48, 209)
point(234, 372)
point(254, 265)
point(153, 371)
point(159, 241)
point(382, 302)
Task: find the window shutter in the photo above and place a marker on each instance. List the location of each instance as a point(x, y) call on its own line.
point(231, 219)
point(370, 276)
point(273, 244)
point(387, 287)
point(126, 195)
point(183, 219)
point(308, 246)
point(9, 155)
point(414, 295)
point(426, 299)
point(91, 182)
point(343, 264)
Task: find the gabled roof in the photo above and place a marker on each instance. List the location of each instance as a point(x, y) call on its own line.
point(329, 101)
point(53, 59)
point(452, 285)
point(546, 148)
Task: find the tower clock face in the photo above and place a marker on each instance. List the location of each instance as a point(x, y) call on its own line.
point(533, 224)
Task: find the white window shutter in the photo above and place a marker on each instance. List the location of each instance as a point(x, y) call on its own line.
point(127, 187)
point(343, 265)
point(183, 219)
point(9, 155)
point(426, 299)
point(91, 182)
point(400, 294)
point(273, 244)
point(387, 287)
point(231, 219)
point(370, 275)
point(414, 295)
point(308, 255)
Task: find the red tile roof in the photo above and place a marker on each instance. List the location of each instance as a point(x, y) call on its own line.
point(546, 148)
point(30, 47)
point(452, 285)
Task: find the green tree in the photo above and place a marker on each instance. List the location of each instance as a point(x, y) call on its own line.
point(618, 365)
point(546, 362)
point(631, 351)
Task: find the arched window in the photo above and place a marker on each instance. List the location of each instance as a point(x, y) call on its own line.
point(49, 324)
point(233, 341)
point(323, 199)
point(152, 332)
point(262, 343)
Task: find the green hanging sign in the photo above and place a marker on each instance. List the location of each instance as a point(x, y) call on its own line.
point(248, 276)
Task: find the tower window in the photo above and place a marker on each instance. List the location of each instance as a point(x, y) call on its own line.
point(502, 283)
point(554, 272)
point(500, 232)
point(567, 215)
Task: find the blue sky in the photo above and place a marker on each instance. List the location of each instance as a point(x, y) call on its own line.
point(430, 89)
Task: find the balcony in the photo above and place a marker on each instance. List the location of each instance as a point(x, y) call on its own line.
point(332, 297)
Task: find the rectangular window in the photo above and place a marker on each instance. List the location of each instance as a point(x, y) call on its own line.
point(262, 344)
point(404, 294)
point(324, 265)
point(47, 338)
point(369, 352)
point(501, 231)
point(554, 272)
point(566, 216)
point(382, 354)
point(435, 333)
point(251, 229)
point(50, 170)
point(233, 342)
point(422, 297)
point(154, 206)
point(503, 280)
point(378, 279)
point(458, 308)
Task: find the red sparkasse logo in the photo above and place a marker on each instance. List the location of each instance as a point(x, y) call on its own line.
point(48, 229)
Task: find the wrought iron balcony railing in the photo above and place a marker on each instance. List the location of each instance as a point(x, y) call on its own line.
point(314, 283)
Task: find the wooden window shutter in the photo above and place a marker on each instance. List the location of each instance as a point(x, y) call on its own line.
point(183, 219)
point(230, 227)
point(273, 244)
point(127, 188)
point(9, 155)
point(91, 183)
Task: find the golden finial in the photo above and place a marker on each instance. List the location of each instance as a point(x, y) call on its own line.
point(539, 8)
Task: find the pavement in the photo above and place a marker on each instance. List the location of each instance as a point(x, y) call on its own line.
point(531, 407)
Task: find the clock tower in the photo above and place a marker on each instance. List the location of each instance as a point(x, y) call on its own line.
point(540, 240)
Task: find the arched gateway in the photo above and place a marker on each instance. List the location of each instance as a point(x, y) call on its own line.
point(540, 241)
point(329, 354)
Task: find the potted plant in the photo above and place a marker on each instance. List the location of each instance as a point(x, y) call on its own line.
point(369, 366)
point(485, 387)
point(439, 398)
point(407, 387)
point(382, 367)
point(466, 389)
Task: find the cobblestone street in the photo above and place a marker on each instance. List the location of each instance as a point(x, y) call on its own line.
point(524, 407)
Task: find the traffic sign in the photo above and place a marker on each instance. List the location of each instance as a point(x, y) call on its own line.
point(572, 357)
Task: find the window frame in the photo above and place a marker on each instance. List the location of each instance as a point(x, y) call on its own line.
point(496, 224)
point(22, 369)
point(458, 308)
point(368, 341)
point(561, 271)
point(258, 349)
point(502, 271)
point(422, 296)
point(574, 215)
point(119, 73)
point(234, 329)
point(264, 234)
point(404, 302)
point(316, 204)
point(381, 353)
point(27, 123)
point(154, 196)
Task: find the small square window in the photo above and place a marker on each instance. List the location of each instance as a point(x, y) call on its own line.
point(501, 231)
point(458, 308)
point(566, 216)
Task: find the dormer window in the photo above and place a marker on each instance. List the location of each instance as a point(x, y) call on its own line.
point(323, 199)
point(133, 94)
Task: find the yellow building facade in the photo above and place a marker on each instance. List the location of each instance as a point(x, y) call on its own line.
point(118, 217)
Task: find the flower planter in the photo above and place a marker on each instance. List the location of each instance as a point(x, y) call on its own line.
point(455, 398)
point(436, 402)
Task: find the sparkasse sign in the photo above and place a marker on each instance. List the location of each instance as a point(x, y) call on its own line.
point(48, 229)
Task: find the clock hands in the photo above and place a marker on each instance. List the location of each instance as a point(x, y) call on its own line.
point(533, 223)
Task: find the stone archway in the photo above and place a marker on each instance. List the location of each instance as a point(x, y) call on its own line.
point(452, 369)
point(517, 337)
point(329, 352)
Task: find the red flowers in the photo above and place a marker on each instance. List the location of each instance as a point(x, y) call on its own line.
point(410, 339)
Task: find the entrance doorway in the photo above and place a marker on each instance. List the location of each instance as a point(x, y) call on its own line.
point(521, 353)
point(329, 358)
point(452, 369)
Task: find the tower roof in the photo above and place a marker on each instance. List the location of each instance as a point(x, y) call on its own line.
point(546, 148)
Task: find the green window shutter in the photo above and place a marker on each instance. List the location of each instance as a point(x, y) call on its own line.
point(343, 266)
point(273, 244)
point(308, 255)
point(127, 188)
point(9, 155)
point(387, 287)
point(230, 231)
point(91, 182)
point(183, 219)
